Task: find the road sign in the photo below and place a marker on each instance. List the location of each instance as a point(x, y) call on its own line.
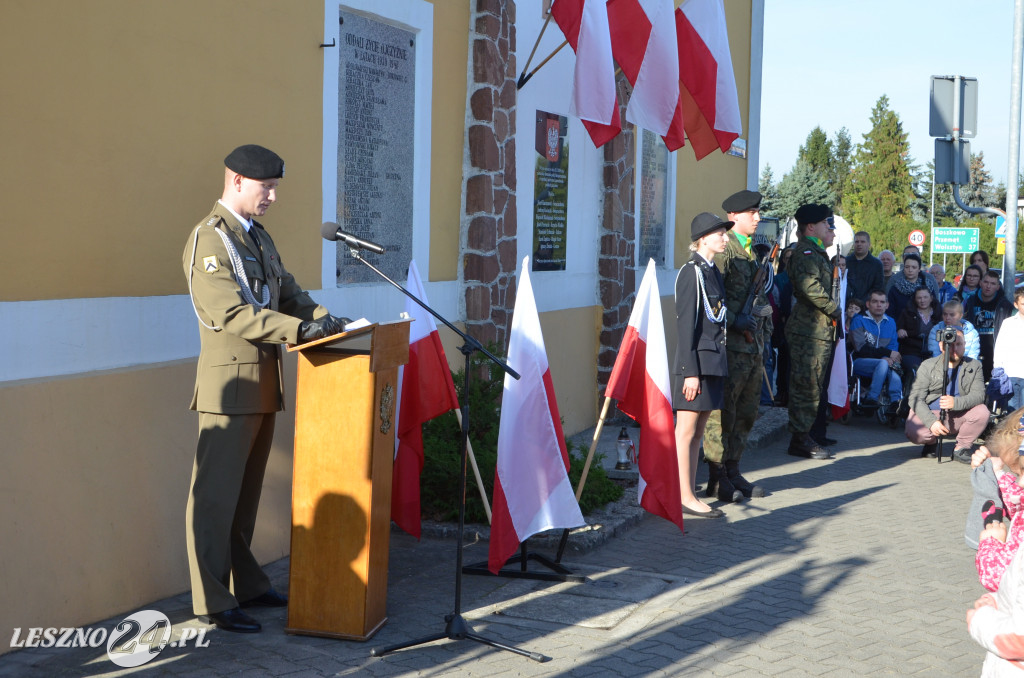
point(916, 238)
point(1000, 227)
point(1001, 246)
point(942, 119)
point(954, 240)
point(949, 154)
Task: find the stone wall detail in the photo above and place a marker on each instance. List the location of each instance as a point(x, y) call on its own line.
point(488, 235)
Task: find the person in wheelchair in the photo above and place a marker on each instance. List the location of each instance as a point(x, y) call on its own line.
point(876, 352)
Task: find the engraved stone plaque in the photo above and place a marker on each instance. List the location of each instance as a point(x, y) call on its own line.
point(376, 80)
point(653, 199)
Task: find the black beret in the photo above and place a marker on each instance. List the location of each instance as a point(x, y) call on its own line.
point(705, 222)
point(255, 162)
point(742, 201)
point(812, 214)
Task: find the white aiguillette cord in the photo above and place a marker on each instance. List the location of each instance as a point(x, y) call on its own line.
point(240, 277)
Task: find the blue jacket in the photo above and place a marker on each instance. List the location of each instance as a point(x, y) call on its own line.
point(973, 349)
point(873, 339)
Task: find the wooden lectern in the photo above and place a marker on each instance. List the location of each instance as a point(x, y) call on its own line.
point(345, 406)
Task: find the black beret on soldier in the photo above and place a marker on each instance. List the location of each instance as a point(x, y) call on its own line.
point(812, 214)
point(255, 162)
point(741, 202)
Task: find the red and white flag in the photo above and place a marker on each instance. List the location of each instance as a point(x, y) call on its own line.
point(532, 492)
point(711, 108)
point(425, 391)
point(640, 382)
point(644, 45)
point(585, 26)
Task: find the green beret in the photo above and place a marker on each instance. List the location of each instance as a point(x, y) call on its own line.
point(255, 162)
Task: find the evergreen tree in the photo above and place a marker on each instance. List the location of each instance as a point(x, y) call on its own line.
point(801, 186)
point(946, 211)
point(979, 192)
point(817, 151)
point(880, 196)
point(839, 170)
point(769, 192)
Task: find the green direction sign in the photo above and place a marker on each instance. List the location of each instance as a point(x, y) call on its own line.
point(954, 240)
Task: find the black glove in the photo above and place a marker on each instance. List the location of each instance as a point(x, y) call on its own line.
point(743, 323)
point(316, 329)
point(334, 324)
point(837, 314)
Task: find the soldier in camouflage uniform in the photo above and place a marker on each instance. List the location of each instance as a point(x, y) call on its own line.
point(811, 330)
point(745, 341)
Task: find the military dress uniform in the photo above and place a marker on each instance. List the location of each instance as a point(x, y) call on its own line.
point(811, 333)
point(725, 436)
point(247, 305)
point(700, 343)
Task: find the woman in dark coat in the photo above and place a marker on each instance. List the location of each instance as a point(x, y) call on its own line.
point(912, 328)
point(700, 363)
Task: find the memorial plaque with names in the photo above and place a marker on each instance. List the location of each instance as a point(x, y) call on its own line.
point(550, 192)
point(653, 198)
point(376, 81)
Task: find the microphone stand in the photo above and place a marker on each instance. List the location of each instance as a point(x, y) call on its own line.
point(456, 627)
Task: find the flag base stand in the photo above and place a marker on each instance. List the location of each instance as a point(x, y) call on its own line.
point(456, 627)
point(558, 572)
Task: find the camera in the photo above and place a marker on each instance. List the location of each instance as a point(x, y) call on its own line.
point(947, 334)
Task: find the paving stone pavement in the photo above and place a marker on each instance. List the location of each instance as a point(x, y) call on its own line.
point(852, 567)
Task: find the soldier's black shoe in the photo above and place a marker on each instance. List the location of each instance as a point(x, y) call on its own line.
point(233, 620)
point(802, 445)
point(824, 441)
point(748, 489)
point(724, 489)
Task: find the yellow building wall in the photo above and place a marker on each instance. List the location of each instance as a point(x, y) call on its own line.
point(117, 116)
point(94, 497)
point(448, 118)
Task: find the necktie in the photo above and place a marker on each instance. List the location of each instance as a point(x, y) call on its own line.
point(255, 238)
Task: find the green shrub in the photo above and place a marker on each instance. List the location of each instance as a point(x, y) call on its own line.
point(440, 494)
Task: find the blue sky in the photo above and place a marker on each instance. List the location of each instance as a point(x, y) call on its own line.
point(826, 64)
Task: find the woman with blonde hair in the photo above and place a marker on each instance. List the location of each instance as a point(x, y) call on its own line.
point(698, 375)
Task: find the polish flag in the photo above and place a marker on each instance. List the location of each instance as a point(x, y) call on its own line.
point(425, 391)
point(711, 108)
point(532, 492)
point(585, 26)
point(644, 45)
point(640, 382)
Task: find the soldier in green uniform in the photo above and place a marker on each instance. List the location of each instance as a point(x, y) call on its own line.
point(247, 305)
point(725, 436)
point(811, 330)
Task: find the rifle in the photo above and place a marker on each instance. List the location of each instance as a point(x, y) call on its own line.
point(837, 299)
point(756, 287)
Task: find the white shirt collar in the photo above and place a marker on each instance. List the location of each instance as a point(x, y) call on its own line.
point(246, 223)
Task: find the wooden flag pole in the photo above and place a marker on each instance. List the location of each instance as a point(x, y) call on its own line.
point(523, 79)
point(522, 76)
point(476, 471)
point(586, 470)
point(593, 446)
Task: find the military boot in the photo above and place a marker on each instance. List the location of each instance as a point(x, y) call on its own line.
point(719, 484)
point(802, 445)
point(732, 470)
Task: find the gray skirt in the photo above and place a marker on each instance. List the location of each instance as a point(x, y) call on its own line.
point(711, 396)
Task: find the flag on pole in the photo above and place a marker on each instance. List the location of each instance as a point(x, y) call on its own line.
point(532, 492)
point(643, 38)
point(425, 391)
point(594, 101)
point(711, 108)
point(640, 382)
point(839, 385)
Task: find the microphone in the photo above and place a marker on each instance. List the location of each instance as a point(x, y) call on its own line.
point(332, 231)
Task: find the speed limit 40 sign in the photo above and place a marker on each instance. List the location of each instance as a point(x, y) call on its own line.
point(916, 238)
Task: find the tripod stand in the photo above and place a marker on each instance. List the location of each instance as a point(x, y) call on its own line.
point(456, 627)
point(944, 414)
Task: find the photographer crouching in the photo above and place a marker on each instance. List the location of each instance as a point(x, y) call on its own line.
point(948, 399)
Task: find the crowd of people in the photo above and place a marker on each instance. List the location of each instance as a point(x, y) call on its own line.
point(943, 357)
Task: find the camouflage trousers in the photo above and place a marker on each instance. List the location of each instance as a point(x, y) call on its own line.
point(809, 363)
point(738, 413)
